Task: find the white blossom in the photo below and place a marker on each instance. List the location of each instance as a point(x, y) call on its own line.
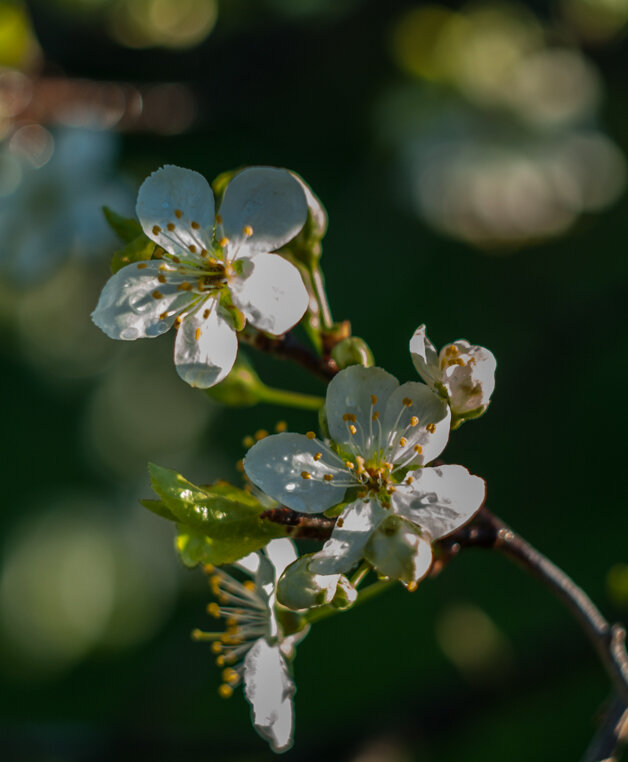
point(382, 435)
point(463, 373)
point(210, 262)
point(253, 648)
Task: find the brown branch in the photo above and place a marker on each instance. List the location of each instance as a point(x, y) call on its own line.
point(303, 526)
point(612, 735)
point(288, 348)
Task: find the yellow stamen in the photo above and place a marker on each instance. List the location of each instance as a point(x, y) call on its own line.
point(349, 417)
point(328, 477)
point(178, 213)
point(417, 449)
point(374, 399)
point(225, 691)
point(248, 441)
point(248, 230)
point(223, 242)
point(375, 416)
point(350, 465)
point(260, 434)
point(171, 226)
point(213, 609)
point(414, 421)
point(195, 225)
point(352, 429)
point(216, 647)
point(318, 455)
point(156, 230)
point(411, 586)
point(142, 266)
point(281, 426)
point(431, 427)
point(403, 441)
point(162, 278)
point(311, 435)
point(306, 475)
point(407, 402)
point(157, 294)
point(197, 334)
point(192, 248)
point(340, 523)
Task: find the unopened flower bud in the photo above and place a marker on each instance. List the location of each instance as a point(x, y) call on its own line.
point(398, 550)
point(299, 588)
point(352, 351)
point(241, 388)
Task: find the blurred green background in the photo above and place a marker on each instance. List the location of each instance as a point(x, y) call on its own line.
point(472, 162)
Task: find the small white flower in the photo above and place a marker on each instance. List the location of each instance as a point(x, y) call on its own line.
point(462, 372)
point(253, 648)
point(207, 257)
point(382, 434)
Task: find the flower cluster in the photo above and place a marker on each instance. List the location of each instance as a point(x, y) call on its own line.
point(372, 477)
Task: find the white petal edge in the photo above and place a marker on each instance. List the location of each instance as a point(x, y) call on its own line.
point(424, 356)
point(440, 500)
point(205, 348)
point(270, 292)
point(276, 464)
point(269, 689)
point(268, 200)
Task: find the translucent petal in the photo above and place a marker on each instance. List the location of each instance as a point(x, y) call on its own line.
point(269, 690)
point(424, 356)
point(316, 209)
point(128, 308)
point(345, 547)
point(440, 500)
point(281, 553)
point(399, 551)
point(270, 293)
point(468, 375)
point(173, 196)
point(205, 348)
point(411, 401)
point(300, 588)
point(269, 201)
point(277, 464)
point(350, 393)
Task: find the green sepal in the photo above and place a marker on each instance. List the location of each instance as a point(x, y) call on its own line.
point(352, 351)
point(158, 508)
point(126, 228)
point(230, 312)
point(226, 516)
point(241, 388)
point(139, 250)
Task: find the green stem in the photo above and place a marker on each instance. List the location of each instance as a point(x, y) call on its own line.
point(319, 289)
point(290, 399)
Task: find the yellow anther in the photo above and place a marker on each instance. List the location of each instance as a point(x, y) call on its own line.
point(403, 441)
point(349, 465)
point(229, 675)
point(417, 449)
point(204, 252)
point(249, 585)
point(375, 416)
point(206, 314)
point(318, 455)
point(192, 248)
point(248, 441)
point(328, 477)
point(306, 475)
point(197, 334)
point(407, 402)
point(414, 421)
point(360, 463)
point(452, 349)
point(248, 230)
point(374, 399)
point(411, 586)
point(260, 434)
point(281, 426)
point(208, 569)
point(390, 490)
point(176, 259)
point(311, 435)
point(195, 225)
point(163, 315)
point(340, 523)
point(349, 417)
point(164, 268)
point(352, 429)
point(240, 466)
point(171, 226)
point(214, 610)
point(185, 286)
point(212, 261)
point(156, 230)
point(216, 647)
point(219, 219)
point(162, 278)
point(225, 691)
point(157, 294)
point(178, 213)
point(220, 661)
point(409, 479)
point(223, 242)
point(198, 635)
point(431, 427)
point(142, 266)
point(177, 321)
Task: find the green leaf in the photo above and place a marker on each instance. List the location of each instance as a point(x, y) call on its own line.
point(140, 249)
point(126, 228)
point(227, 517)
point(157, 507)
point(193, 546)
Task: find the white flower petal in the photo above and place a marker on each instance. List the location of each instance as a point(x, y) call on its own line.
point(398, 550)
point(440, 500)
point(350, 393)
point(468, 376)
point(249, 563)
point(345, 547)
point(268, 200)
point(270, 293)
point(277, 463)
point(424, 356)
point(300, 588)
point(316, 209)
point(205, 348)
point(415, 400)
point(281, 553)
point(269, 689)
point(180, 197)
point(127, 307)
